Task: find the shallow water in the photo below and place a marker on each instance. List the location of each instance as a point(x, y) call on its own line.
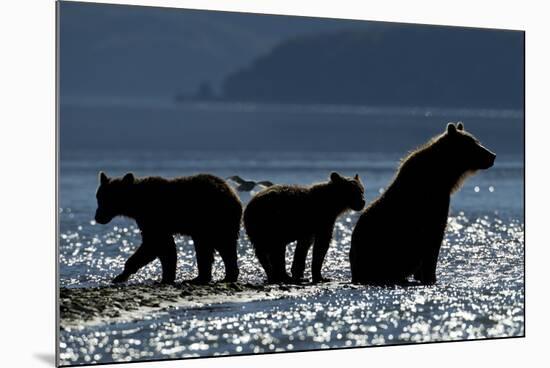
point(479, 293)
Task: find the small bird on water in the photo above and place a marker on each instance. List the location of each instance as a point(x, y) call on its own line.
point(248, 185)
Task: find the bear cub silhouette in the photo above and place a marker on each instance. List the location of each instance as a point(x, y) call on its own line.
point(282, 214)
point(400, 233)
point(201, 206)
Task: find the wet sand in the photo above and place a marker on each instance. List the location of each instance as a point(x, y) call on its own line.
point(119, 303)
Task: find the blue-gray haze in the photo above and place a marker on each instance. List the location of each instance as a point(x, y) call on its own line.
point(232, 81)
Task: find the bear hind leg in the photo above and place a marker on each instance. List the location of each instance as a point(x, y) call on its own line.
point(168, 259)
point(299, 261)
point(320, 248)
point(263, 257)
point(278, 264)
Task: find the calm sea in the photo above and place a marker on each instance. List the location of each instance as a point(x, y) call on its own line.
point(480, 288)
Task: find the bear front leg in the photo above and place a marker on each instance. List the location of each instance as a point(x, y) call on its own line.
point(426, 273)
point(141, 257)
point(168, 259)
point(299, 261)
point(320, 248)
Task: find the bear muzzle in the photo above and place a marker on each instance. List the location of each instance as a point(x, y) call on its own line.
point(101, 218)
point(489, 161)
point(359, 205)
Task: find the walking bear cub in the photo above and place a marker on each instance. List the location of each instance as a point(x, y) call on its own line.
point(400, 233)
point(282, 214)
point(201, 206)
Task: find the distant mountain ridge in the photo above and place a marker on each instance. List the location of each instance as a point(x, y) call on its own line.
point(125, 52)
point(389, 65)
point(136, 51)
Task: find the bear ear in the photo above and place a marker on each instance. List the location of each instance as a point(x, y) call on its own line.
point(451, 128)
point(356, 178)
point(103, 179)
point(335, 177)
point(460, 126)
point(128, 178)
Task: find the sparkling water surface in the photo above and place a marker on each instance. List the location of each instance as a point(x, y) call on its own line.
point(479, 293)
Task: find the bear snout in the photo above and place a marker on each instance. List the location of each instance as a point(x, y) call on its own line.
point(490, 161)
point(101, 218)
point(359, 205)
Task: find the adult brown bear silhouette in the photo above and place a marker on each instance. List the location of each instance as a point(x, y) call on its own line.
point(201, 206)
point(400, 233)
point(282, 214)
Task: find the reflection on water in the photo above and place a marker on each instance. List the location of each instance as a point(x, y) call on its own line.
point(479, 293)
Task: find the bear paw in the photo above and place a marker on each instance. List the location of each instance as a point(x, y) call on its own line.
point(229, 279)
point(199, 281)
point(428, 281)
point(167, 282)
point(320, 279)
point(281, 279)
point(120, 278)
point(299, 280)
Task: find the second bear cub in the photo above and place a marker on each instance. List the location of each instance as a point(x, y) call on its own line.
point(282, 214)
